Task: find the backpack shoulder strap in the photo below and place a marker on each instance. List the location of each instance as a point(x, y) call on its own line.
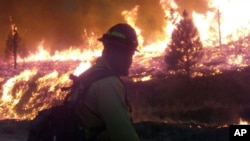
point(87, 78)
point(96, 75)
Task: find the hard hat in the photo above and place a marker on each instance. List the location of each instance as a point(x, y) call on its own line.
point(121, 33)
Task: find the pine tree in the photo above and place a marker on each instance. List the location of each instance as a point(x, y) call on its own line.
point(14, 45)
point(184, 50)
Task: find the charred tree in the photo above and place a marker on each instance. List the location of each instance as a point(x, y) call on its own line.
point(14, 45)
point(184, 50)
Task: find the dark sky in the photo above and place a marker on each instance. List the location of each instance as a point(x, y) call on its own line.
point(62, 22)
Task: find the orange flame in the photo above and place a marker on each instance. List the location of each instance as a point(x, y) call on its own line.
point(243, 122)
point(46, 85)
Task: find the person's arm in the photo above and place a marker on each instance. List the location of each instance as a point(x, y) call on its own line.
point(114, 111)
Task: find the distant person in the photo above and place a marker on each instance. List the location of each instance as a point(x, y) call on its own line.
point(105, 107)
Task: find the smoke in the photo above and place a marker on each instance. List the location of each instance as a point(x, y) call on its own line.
point(199, 6)
point(62, 23)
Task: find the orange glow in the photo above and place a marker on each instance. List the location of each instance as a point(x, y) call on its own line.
point(229, 11)
point(81, 68)
point(147, 63)
point(71, 54)
point(243, 122)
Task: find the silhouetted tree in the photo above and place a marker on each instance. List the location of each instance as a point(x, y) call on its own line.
point(184, 50)
point(14, 45)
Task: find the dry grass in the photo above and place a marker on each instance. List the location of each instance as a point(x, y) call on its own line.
point(211, 100)
point(169, 110)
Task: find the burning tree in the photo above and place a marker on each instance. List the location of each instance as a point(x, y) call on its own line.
point(184, 50)
point(14, 45)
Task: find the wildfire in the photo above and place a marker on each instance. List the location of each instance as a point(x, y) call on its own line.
point(243, 122)
point(149, 61)
point(8, 86)
point(88, 54)
point(81, 68)
point(223, 15)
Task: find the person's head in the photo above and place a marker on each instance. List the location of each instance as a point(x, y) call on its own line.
point(120, 43)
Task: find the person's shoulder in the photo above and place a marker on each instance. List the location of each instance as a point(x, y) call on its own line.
point(110, 86)
point(110, 83)
point(109, 80)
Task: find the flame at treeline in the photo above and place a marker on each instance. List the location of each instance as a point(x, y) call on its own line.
point(217, 28)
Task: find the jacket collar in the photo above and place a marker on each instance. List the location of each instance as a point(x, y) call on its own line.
point(101, 62)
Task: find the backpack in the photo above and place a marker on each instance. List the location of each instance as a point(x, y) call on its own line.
point(60, 123)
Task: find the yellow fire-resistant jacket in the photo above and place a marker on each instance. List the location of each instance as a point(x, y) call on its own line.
point(105, 106)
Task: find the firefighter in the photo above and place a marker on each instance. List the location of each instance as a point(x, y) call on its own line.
point(105, 107)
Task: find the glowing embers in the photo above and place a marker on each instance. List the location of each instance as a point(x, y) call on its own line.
point(8, 87)
point(243, 122)
point(23, 95)
point(13, 91)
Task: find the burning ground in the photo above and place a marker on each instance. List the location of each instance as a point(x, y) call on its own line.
point(164, 107)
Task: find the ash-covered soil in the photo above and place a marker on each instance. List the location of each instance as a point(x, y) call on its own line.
point(12, 130)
